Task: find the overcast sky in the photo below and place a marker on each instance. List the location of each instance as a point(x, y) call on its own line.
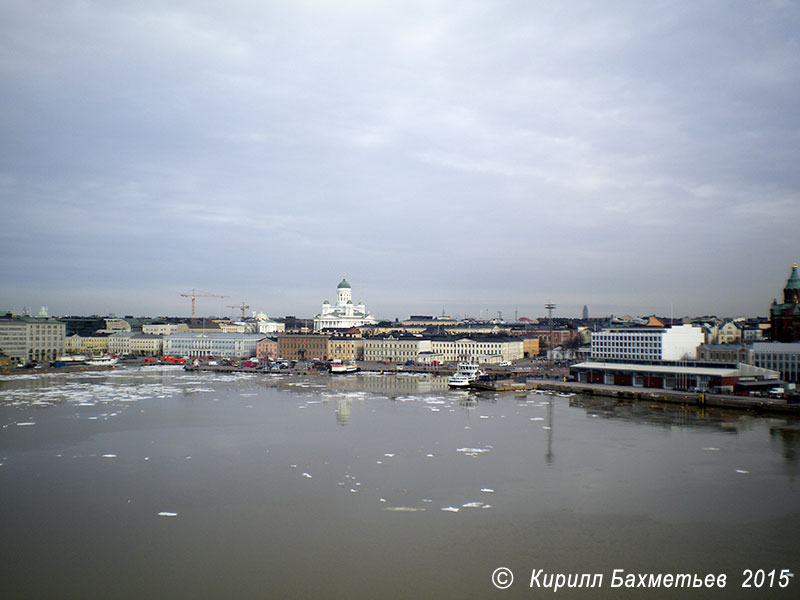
point(465, 156)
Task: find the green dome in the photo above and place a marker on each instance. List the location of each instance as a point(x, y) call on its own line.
point(343, 284)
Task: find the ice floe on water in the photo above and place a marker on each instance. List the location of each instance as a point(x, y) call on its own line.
point(306, 475)
point(450, 509)
point(165, 513)
point(487, 490)
point(710, 449)
point(742, 471)
point(404, 509)
point(109, 456)
point(473, 451)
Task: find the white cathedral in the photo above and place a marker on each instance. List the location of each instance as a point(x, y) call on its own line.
point(343, 314)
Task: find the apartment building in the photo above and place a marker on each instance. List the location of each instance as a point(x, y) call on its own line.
point(25, 339)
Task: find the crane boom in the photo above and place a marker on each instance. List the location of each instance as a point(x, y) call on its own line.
point(194, 295)
point(241, 307)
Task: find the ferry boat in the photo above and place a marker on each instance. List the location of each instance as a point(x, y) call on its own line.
point(466, 375)
point(102, 361)
point(338, 367)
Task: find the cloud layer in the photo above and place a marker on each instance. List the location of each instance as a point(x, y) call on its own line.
point(466, 156)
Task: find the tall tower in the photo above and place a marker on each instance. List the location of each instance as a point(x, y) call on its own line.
point(585, 312)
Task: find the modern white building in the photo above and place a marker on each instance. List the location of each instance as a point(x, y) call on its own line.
point(650, 344)
point(26, 339)
point(344, 314)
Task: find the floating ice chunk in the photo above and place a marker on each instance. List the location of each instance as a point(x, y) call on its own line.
point(742, 471)
point(487, 490)
point(354, 490)
point(545, 427)
point(147, 458)
point(404, 509)
point(486, 506)
point(382, 500)
point(292, 466)
point(306, 475)
point(537, 418)
point(472, 505)
point(380, 462)
point(450, 509)
point(25, 424)
point(484, 416)
point(109, 456)
point(429, 456)
point(710, 449)
point(164, 513)
point(389, 455)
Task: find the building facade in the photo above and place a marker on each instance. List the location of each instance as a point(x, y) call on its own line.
point(31, 339)
point(303, 346)
point(395, 348)
point(199, 345)
point(779, 357)
point(344, 314)
point(648, 344)
point(489, 349)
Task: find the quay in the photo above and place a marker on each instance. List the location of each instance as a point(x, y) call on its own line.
point(521, 381)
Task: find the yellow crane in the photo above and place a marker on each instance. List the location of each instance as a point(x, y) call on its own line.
point(195, 294)
point(243, 307)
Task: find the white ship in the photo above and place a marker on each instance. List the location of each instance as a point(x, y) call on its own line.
point(338, 367)
point(102, 361)
point(466, 375)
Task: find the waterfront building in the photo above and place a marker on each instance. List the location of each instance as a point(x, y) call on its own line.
point(199, 345)
point(120, 343)
point(780, 357)
point(344, 314)
point(349, 346)
point(530, 347)
point(267, 348)
point(683, 375)
point(88, 343)
point(146, 344)
point(396, 348)
point(303, 346)
point(679, 342)
point(490, 349)
point(26, 339)
point(785, 317)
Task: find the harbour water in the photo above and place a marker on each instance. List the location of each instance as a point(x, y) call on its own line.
point(157, 483)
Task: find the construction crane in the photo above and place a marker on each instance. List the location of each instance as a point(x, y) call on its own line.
point(195, 294)
point(243, 307)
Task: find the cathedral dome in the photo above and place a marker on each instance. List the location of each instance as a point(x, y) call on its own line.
point(343, 284)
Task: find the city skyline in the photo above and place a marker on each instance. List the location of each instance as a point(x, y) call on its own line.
point(469, 157)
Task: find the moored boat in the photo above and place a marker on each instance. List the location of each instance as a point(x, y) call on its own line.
point(465, 376)
point(339, 367)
